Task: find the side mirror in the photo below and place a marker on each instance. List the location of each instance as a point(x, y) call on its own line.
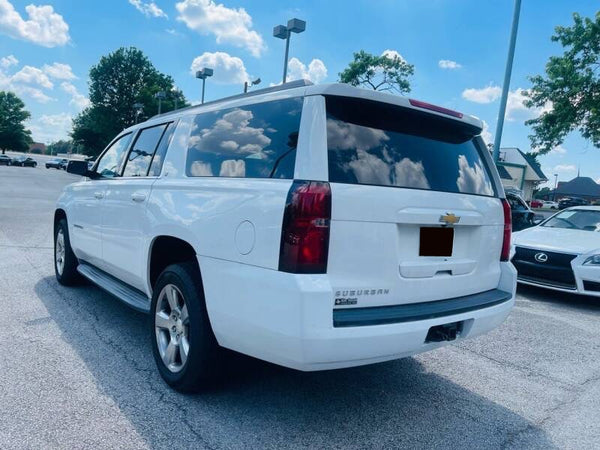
point(78, 167)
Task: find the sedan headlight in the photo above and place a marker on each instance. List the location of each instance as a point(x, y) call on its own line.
point(592, 261)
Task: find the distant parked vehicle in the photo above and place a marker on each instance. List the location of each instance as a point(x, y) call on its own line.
point(535, 203)
point(5, 160)
point(522, 216)
point(57, 163)
point(550, 204)
point(24, 161)
point(567, 202)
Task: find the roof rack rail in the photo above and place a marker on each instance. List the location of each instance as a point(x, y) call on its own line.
point(280, 87)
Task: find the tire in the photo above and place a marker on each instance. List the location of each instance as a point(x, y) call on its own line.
point(65, 261)
point(171, 328)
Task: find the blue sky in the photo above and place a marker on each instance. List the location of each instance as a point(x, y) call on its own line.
point(47, 48)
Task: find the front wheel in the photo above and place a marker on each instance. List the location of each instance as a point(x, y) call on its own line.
point(183, 344)
point(65, 261)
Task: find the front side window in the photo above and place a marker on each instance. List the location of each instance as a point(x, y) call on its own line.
point(142, 151)
point(111, 161)
point(255, 141)
point(575, 219)
point(379, 144)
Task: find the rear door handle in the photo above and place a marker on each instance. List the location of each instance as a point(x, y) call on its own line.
point(99, 195)
point(138, 197)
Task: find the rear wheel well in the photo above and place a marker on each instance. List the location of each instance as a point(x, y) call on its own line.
point(167, 250)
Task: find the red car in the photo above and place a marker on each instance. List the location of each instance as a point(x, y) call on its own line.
point(536, 203)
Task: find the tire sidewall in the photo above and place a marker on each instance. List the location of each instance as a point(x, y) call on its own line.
point(69, 276)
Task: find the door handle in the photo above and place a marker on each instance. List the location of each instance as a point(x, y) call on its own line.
point(138, 197)
point(99, 195)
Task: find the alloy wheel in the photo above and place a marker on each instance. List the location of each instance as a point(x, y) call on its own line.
point(59, 252)
point(171, 325)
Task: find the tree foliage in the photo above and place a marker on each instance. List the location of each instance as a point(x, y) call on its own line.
point(572, 85)
point(13, 134)
point(120, 80)
point(381, 73)
point(61, 146)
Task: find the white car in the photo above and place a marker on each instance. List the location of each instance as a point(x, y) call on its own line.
point(550, 204)
point(315, 227)
point(561, 253)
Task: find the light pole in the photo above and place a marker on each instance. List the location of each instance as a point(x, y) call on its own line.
point(160, 96)
point(283, 32)
point(252, 83)
point(555, 186)
point(507, 73)
point(175, 93)
point(139, 107)
point(203, 75)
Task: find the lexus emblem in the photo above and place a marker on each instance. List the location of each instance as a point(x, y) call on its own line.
point(541, 257)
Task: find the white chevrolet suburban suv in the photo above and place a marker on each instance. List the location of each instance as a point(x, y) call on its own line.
point(315, 227)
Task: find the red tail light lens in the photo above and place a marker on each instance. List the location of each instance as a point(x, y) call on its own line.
point(305, 232)
point(440, 109)
point(505, 255)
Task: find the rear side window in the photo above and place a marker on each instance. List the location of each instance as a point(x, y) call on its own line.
point(142, 151)
point(161, 151)
point(254, 141)
point(385, 145)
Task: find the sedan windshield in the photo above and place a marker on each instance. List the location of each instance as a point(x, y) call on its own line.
point(576, 219)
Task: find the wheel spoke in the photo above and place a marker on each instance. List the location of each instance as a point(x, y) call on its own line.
point(184, 349)
point(184, 314)
point(172, 298)
point(170, 353)
point(162, 320)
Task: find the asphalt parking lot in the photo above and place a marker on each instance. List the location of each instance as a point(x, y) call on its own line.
point(76, 371)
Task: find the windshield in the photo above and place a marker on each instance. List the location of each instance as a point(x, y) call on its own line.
point(576, 219)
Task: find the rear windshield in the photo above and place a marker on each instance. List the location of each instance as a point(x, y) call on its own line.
point(385, 145)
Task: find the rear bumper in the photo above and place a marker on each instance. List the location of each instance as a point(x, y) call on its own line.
point(289, 319)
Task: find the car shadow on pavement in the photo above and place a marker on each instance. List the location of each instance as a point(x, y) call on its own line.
point(559, 298)
point(260, 405)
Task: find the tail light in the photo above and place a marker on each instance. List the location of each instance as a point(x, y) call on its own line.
point(305, 231)
point(505, 255)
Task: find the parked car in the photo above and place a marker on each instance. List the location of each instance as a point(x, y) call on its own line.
point(562, 253)
point(550, 204)
point(24, 161)
point(57, 163)
point(567, 202)
point(5, 160)
point(302, 225)
point(535, 203)
point(522, 216)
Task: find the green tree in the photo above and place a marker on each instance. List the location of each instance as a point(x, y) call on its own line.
point(61, 146)
point(120, 80)
point(381, 73)
point(572, 85)
point(13, 134)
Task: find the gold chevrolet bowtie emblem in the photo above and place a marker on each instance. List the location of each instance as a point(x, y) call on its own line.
point(449, 219)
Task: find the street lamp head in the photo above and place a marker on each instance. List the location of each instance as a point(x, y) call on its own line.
point(138, 106)
point(255, 82)
point(296, 25)
point(160, 95)
point(280, 31)
point(204, 73)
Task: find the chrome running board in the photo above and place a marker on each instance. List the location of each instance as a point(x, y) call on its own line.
point(128, 295)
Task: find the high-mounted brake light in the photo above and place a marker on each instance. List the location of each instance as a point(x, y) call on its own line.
point(505, 255)
point(305, 231)
point(440, 109)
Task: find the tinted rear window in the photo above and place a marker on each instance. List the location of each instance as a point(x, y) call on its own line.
point(385, 145)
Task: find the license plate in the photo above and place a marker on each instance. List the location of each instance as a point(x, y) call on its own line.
point(436, 241)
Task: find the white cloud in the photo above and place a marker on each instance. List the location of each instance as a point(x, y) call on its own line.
point(516, 109)
point(51, 128)
point(565, 168)
point(487, 94)
point(229, 25)
point(392, 54)
point(486, 134)
point(315, 72)
point(32, 75)
point(78, 100)
point(227, 69)
point(559, 150)
point(43, 27)
point(8, 61)
point(59, 71)
point(448, 64)
point(149, 9)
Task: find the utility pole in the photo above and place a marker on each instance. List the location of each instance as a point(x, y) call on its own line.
point(160, 96)
point(507, 74)
point(284, 32)
point(203, 75)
